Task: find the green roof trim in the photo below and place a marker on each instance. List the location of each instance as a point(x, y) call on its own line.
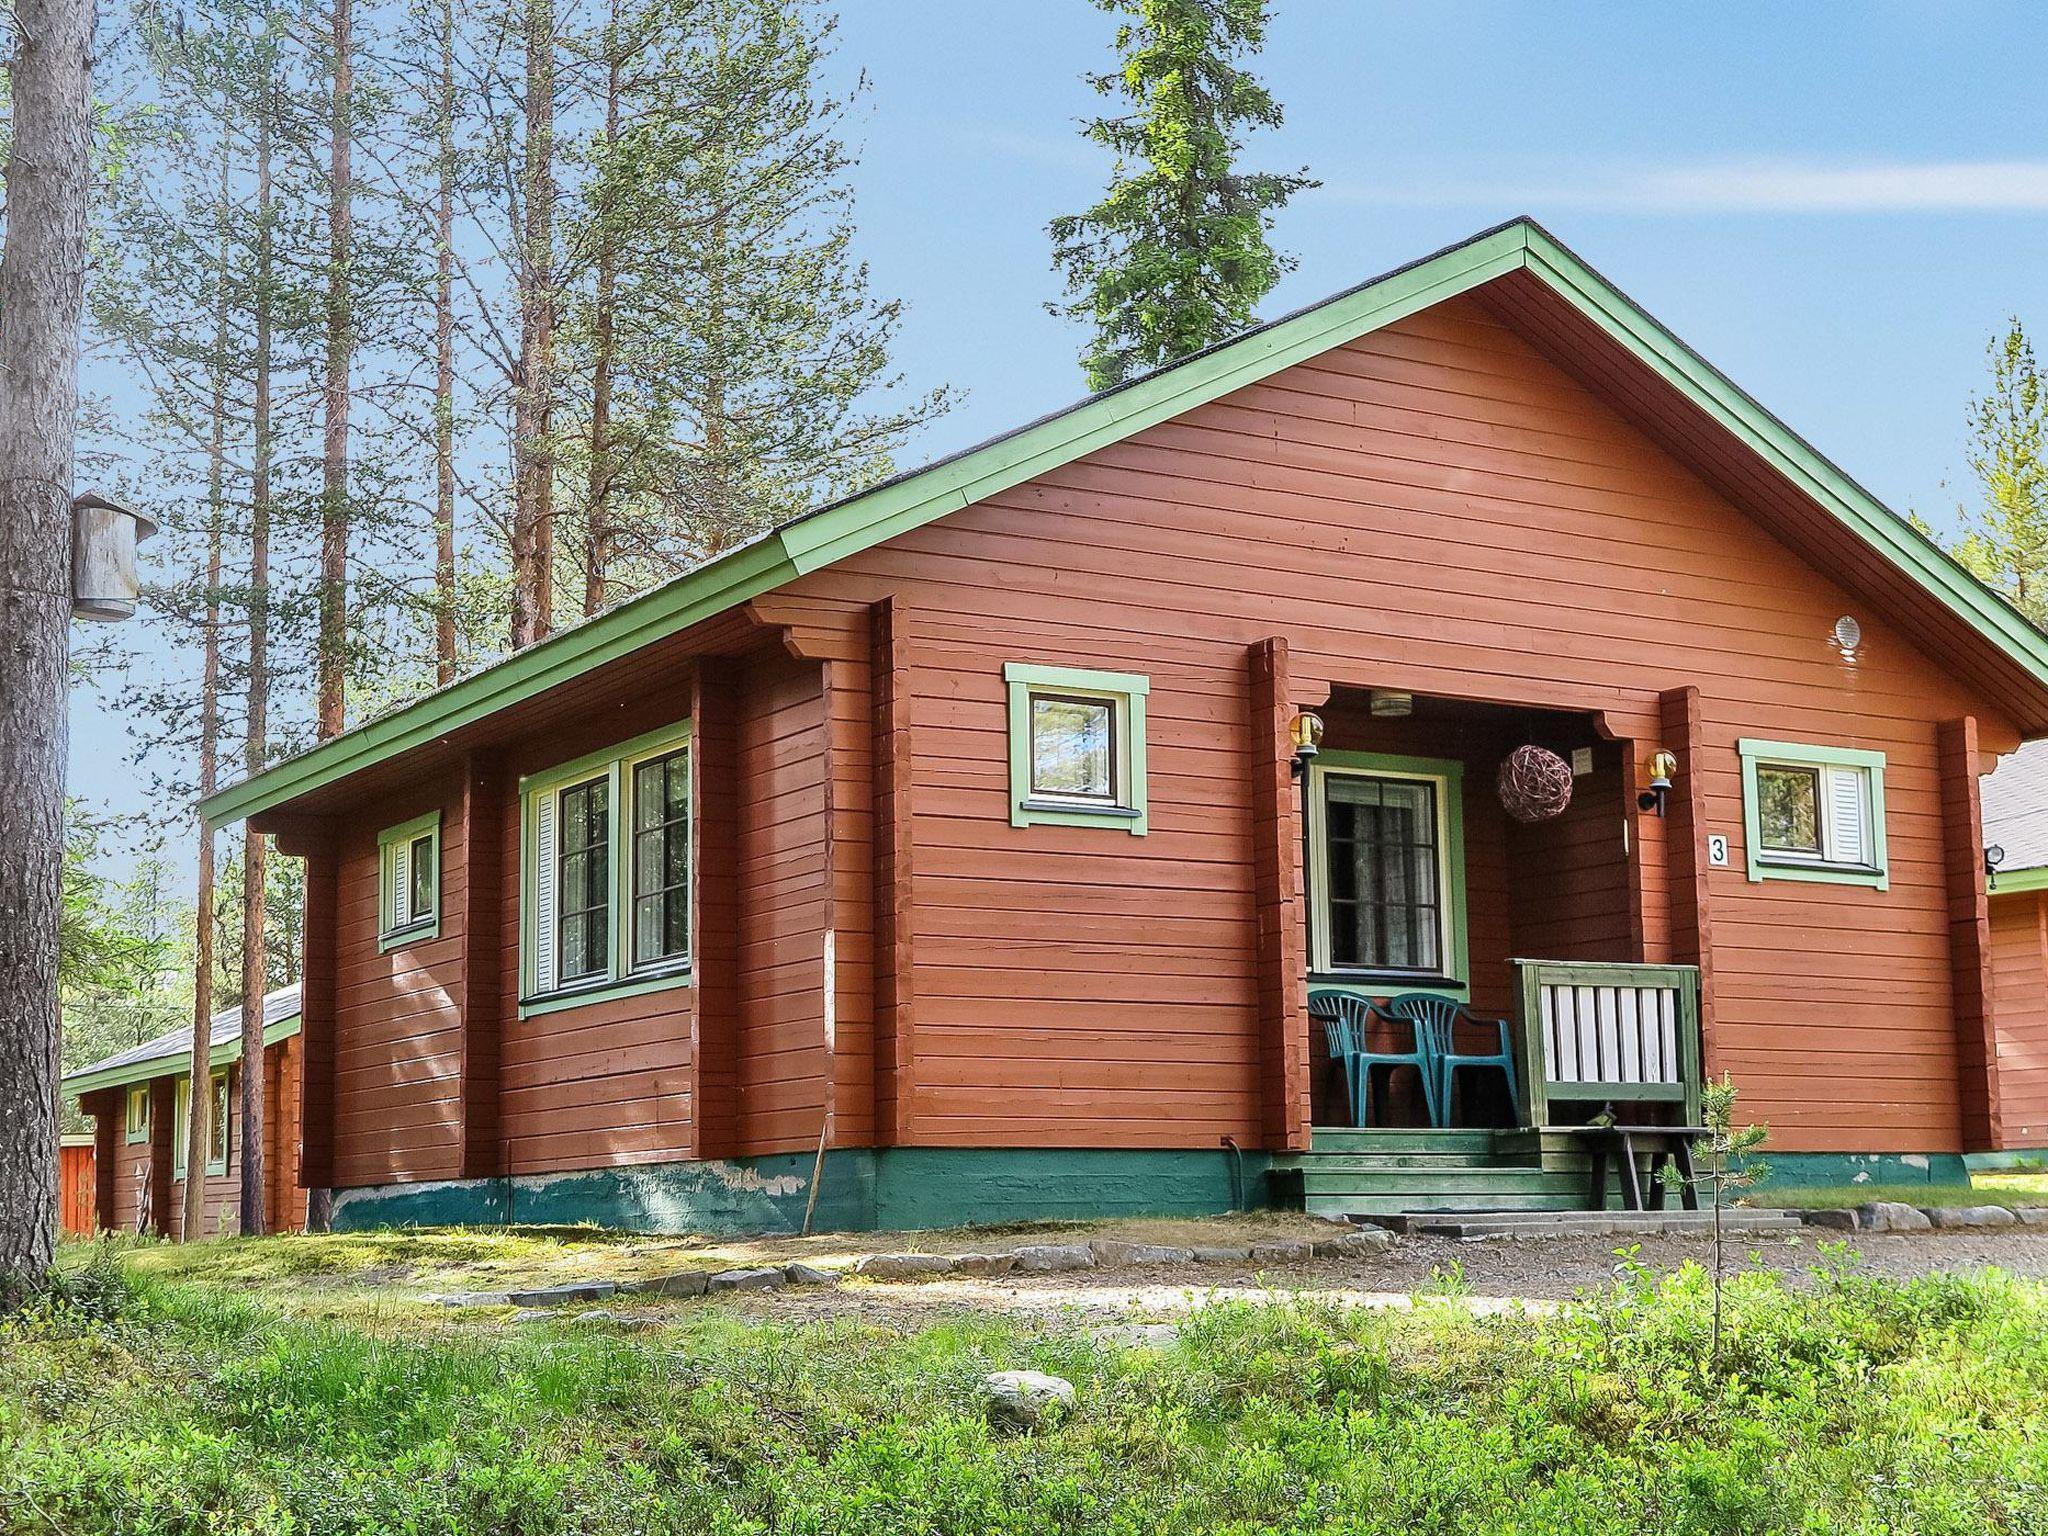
point(175, 1060)
point(2014, 882)
point(911, 500)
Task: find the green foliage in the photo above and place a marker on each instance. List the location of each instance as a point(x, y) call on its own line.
point(2005, 539)
point(1175, 256)
point(1852, 1404)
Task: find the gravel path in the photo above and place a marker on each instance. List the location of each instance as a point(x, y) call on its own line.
point(1486, 1276)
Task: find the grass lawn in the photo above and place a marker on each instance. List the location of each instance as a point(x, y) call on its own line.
point(2015, 1187)
point(152, 1397)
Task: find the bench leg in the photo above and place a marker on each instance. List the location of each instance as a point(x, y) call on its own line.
point(1599, 1178)
point(1631, 1181)
point(1658, 1159)
point(1692, 1189)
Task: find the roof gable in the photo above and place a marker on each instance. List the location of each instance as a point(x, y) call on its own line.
point(2006, 643)
point(172, 1050)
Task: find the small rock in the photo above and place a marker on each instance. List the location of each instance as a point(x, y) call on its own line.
point(2032, 1215)
point(596, 1315)
point(1025, 1399)
point(1043, 1258)
point(536, 1315)
point(984, 1263)
point(1970, 1216)
point(1139, 1335)
point(1291, 1252)
point(902, 1266)
point(1352, 1244)
point(748, 1280)
point(475, 1299)
point(683, 1282)
point(1840, 1221)
point(808, 1274)
point(1891, 1216)
point(1220, 1255)
point(562, 1295)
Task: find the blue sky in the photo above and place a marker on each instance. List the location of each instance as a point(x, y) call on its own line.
point(1836, 203)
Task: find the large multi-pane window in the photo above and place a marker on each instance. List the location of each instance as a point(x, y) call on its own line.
point(1385, 860)
point(607, 861)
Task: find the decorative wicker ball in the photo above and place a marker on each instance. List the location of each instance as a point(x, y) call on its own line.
point(1535, 784)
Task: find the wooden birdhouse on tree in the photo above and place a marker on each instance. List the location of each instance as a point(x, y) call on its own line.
point(104, 583)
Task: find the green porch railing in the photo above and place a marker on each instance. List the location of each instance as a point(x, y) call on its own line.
point(1597, 1033)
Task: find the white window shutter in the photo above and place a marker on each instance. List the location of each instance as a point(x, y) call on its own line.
point(543, 936)
point(1848, 816)
point(401, 885)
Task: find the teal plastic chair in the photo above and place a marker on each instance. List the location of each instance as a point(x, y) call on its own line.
point(1435, 1021)
point(1345, 1016)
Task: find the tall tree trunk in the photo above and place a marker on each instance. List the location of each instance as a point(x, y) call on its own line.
point(258, 712)
point(199, 1131)
point(42, 287)
point(597, 548)
point(533, 535)
point(334, 507)
point(444, 363)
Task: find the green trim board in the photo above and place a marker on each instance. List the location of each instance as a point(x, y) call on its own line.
point(398, 921)
point(832, 532)
point(539, 811)
point(859, 1189)
point(1125, 693)
point(1448, 777)
point(2014, 882)
point(1763, 865)
point(224, 1051)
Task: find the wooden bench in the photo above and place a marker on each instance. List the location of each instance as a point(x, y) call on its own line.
point(1619, 1144)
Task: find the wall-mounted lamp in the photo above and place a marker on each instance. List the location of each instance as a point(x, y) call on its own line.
point(1661, 767)
point(1306, 733)
point(1994, 855)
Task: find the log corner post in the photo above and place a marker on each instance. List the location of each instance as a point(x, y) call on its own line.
point(315, 841)
point(1692, 926)
point(1282, 963)
point(485, 943)
point(1969, 934)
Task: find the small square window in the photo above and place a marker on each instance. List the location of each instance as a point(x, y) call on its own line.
point(1077, 747)
point(409, 882)
point(1814, 813)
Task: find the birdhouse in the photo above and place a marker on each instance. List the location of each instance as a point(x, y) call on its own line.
point(104, 584)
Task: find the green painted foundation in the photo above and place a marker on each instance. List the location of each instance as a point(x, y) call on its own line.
point(860, 1189)
point(2016, 1157)
point(1813, 1170)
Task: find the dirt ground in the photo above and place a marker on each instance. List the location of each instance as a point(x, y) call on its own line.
point(1486, 1276)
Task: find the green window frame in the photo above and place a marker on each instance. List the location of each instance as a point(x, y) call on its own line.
point(1034, 692)
point(219, 1128)
point(590, 823)
point(137, 1113)
point(1446, 778)
point(1848, 837)
point(409, 882)
point(181, 1117)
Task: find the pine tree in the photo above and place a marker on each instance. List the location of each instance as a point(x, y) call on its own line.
point(1175, 257)
point(2005, 541)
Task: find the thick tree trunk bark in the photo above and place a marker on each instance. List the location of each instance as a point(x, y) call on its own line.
point(42, 286)
point(444, 365)
point(334, 507)
point(533, 535)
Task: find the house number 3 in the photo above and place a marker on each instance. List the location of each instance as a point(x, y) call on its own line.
point(1717, 850)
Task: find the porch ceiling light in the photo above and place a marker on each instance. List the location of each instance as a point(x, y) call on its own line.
point(1390, 704)
point(1305, 731)
point(1661, 767)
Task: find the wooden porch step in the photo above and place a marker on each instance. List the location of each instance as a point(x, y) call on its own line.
point(1400, 1205)
point(1372, 1179)
point(1403, 1139)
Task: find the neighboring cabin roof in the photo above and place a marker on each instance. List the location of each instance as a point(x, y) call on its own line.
point(172, 1052)
point(908, 501)
point(2016, 816)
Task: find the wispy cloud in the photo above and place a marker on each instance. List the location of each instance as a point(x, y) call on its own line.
point(1733, 186)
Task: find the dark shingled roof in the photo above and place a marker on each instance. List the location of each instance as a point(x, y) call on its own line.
point(2016, 807)
point(170, 1051)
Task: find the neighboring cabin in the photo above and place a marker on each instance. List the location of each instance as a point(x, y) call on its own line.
point(960, 827)
point(141, 1098)
point(2016, 827)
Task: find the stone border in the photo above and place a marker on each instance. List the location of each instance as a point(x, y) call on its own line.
point(1039, 1258)
point(1895, 1216)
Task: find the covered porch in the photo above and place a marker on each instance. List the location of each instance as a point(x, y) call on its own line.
point(1481, 992)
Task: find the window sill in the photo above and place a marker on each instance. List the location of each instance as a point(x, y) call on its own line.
point(1075, 813)
point(1390, 983)
point(398, 938)
point(1820, 874)
point(601, 991)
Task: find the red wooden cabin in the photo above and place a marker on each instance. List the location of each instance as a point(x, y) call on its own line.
point(960, 826)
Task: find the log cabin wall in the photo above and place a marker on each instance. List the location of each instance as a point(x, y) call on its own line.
point(2019, 974)
point(1442, 507)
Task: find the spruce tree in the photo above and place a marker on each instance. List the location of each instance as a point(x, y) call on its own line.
point(1175, 257)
